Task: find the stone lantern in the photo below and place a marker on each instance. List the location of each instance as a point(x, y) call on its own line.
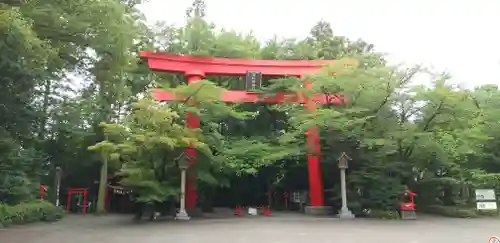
point(183, 164)
point(57, 182)
point(343, 163)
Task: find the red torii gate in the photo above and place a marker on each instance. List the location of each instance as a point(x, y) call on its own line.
point(197, 68)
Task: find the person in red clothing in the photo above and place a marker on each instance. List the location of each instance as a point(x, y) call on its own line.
point(43, 190)
point(408, 192)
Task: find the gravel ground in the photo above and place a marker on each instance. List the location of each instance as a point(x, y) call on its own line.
point(275, 229)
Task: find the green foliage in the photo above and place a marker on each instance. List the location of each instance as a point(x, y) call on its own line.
point(482, 180)
point(488, 213)
point(44, 45)
point(146, 186)
point(248, 156)
point(16, 174)
point(381, 214)
point(397, 133)
point(449, 211)
point(150, 144)
point(29, 212)
point(378, 189)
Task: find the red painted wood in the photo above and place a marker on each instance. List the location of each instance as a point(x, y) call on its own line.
point(192, 121)
point(231, 67)
point(239, 96)
point(316, 192)
point(73, 191)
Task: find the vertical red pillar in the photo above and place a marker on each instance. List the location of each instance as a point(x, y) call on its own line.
point(85, 202)
point(68, 201)
point(314, 168)
point(192, 121)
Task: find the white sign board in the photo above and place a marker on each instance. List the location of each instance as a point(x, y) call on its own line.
point(485, 195)
point(296, 197)
point(486, 205)
point(252, 211)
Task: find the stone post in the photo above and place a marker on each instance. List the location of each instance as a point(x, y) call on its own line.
point(343, 163)
point(182, 214)
point(58, 185)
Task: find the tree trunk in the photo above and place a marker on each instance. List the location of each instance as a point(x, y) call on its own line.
point(45, 110)
point(103, 184)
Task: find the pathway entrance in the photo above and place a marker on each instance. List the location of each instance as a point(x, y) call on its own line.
point(197, 68)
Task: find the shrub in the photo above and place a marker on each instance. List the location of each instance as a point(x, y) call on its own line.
point(356, 209)
point(450, 211)
point(383, 214)
point(29, 212)
point(5, 215)
point(489, 213)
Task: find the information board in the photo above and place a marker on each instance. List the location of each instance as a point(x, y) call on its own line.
point(486, 199)
point(486, 205)
point(485, 194)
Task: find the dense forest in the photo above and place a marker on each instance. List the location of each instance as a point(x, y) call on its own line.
point(77, 96)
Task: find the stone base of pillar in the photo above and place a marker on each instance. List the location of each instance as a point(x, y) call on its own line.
point(195, 212)
point(345, 213)
point(408, 214)
point(182, 215)
point(318, 210)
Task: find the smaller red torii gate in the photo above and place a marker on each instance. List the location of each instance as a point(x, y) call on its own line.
point(197, 68)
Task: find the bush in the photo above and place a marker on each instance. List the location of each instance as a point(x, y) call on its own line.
point(383, 214)
point(489, 213)
point(5, 218)
point(449, 211)
point(356, 209)
point(29, 212)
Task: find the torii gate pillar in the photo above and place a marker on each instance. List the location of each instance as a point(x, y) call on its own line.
point(192, 121)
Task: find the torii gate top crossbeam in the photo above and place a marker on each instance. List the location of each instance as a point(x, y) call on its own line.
point(230, 67)
point(200, 67)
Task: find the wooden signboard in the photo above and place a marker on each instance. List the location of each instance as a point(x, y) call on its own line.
point(253, 80)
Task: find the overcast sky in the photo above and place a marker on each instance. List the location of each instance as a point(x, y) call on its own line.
point(456, 36)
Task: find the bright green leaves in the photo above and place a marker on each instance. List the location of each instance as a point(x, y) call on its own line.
point(150, 143)
point(392, 127)
point(146, 186)
point(250, 155)
point(104, 147)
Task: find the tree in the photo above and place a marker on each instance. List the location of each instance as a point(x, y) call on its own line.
point(149, 143)
point(152, 140)
point(46, 44)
